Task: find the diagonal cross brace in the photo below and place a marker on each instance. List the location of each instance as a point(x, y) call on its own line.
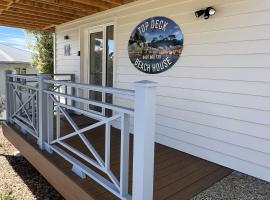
point(79, 132)
point(88, 144)
point(22, 105)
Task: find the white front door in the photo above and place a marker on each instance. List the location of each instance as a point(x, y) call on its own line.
point(101, 59)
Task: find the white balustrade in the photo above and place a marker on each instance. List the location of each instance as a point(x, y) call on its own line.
point(41, 110)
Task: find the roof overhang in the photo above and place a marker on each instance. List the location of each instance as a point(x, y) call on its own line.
point(46, 14)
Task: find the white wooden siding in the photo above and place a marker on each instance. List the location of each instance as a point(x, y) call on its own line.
point(215, 102)
point(68, 64)
point(4, 67)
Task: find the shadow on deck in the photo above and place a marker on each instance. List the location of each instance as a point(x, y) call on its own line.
point(177, 175)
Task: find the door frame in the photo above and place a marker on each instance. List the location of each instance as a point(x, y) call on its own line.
point(88, 31)
point(87, 52)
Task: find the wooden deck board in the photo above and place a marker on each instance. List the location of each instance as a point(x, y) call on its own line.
point(177, 174)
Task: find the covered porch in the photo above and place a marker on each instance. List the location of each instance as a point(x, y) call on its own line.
point(177, 175)
point(86, 147)
point(88, 154)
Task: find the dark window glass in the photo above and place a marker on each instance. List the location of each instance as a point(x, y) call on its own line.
point(96, 54)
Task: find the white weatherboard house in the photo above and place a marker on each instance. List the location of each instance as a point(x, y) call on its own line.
point(15, 59)
point(212, 103)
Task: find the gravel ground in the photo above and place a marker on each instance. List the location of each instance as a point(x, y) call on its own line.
point(19, 177)
point(237, 186)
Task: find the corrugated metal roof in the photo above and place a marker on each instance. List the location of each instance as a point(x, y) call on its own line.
point(10, 54)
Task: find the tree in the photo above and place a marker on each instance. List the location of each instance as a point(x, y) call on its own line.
point(42, 51)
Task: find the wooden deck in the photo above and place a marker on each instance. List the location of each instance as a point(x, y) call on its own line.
point(177, 174)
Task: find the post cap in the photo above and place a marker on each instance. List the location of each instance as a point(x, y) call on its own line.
point(42, 75)
point(8, 71)
point(145, 83)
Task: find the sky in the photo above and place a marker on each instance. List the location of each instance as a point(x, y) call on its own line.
point(14, 37)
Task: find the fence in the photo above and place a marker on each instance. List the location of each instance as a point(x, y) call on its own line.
point(40, 112)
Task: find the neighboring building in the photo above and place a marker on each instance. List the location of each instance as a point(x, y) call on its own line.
point(14, 59)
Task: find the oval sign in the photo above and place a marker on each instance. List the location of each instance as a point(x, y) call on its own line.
point(155, 45)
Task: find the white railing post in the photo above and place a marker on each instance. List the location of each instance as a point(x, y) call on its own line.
point(9, 96)
point(50, 121)
point(124, 167)
point(42, 111)
point(73, 91)
point(144, 140)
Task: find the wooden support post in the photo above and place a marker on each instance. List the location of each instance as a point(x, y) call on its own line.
point(9, 96)
point(42, 111)
point(144, 140)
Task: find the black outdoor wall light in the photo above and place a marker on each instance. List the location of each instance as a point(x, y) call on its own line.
point(207, 12)
point(66, 37)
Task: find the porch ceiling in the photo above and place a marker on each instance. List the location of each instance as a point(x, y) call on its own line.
point(46, 14)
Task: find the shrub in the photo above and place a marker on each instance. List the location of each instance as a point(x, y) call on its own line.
point(6, 196)
point(42, 51)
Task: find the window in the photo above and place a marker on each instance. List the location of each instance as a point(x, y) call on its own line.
point(20, 70)
point(17, 70)
point(23, 71)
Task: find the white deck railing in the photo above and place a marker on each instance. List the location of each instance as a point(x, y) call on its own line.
point(39, 113)
point(22, 100)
